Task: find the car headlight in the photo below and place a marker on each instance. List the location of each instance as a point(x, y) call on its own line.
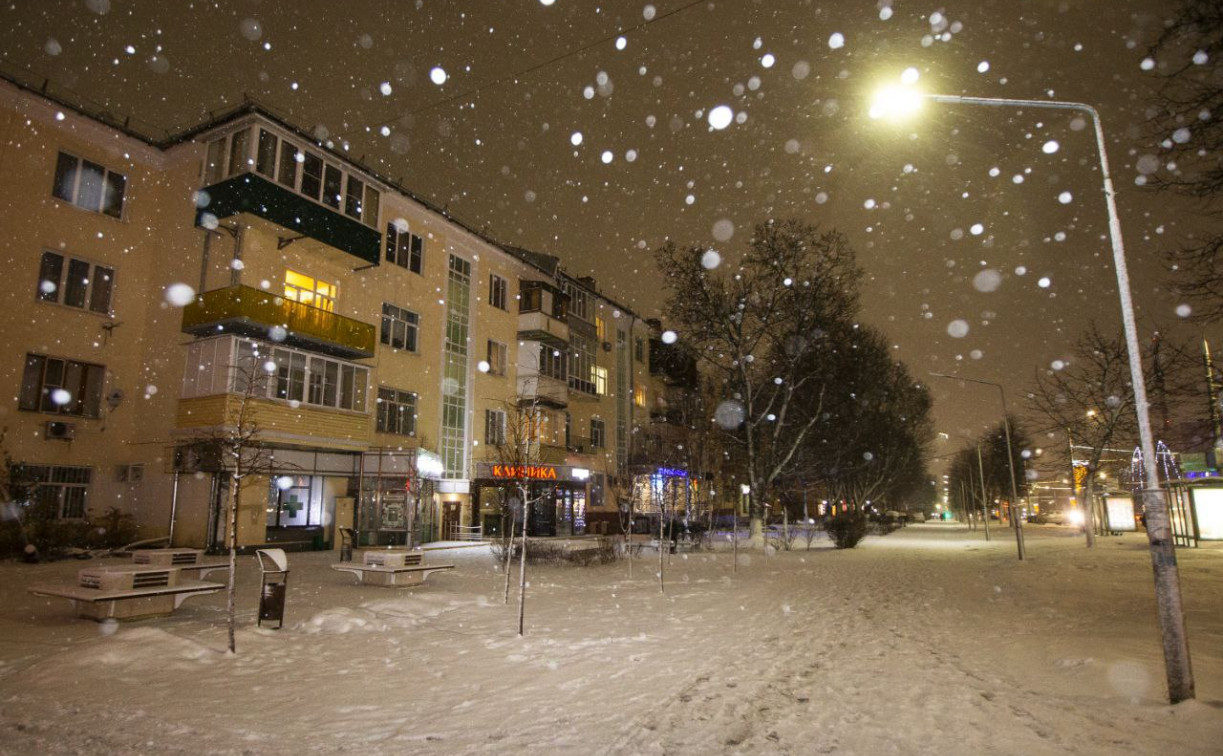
point(1075, 517)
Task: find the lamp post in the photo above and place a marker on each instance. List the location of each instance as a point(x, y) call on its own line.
point(981, 472)
point(1016, 520)
point(1159, 532)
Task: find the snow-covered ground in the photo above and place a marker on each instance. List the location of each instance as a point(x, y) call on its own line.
point(928, 640)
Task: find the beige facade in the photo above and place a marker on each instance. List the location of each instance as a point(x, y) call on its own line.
point(382, 347)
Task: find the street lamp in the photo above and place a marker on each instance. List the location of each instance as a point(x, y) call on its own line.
point(981, 471)
point(1010, 459)
point(1159, 531)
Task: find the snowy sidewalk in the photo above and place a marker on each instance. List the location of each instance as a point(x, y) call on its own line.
point(928, 640)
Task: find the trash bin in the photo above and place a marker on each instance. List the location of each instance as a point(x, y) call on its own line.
point(274, 569)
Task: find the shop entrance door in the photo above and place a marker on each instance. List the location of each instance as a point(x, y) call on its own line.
point(450, 520)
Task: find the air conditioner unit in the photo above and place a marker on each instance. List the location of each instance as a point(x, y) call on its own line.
point(606, 346)
point(60, 431)
point(126, 578)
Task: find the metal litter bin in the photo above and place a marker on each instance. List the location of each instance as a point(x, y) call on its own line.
point(274, 569)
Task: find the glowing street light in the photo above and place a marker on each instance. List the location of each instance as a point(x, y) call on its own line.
point(1159, 530)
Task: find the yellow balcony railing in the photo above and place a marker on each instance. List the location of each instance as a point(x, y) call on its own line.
point(252, 312)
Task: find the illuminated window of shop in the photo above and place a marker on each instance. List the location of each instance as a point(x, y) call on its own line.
point(310, 291)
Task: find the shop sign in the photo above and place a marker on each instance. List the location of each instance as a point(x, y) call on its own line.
point(520, 472)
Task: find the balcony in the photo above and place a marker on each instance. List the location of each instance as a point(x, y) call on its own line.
point(534, 388)
point(541, 327)
point(254, 194)
point(251, 312)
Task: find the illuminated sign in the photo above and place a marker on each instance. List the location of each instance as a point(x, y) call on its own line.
point(672, 472)
point(520, 472)
point(1120, 511)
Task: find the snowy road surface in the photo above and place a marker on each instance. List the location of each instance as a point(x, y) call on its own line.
point(926, 641)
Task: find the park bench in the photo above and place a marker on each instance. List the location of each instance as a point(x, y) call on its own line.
point(127, 591)
point(391, 567)
point(189, 561)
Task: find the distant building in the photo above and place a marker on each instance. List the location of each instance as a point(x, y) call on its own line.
point(399, 345)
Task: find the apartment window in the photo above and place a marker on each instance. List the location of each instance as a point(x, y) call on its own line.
point(333, 179)
point(400, 327)
point(498, 292)
point(290, 156)
point(552, 363)
point(579, 300)
point(312, 176)
point(75, 283)
point(296, 377)
point(88, 185)
point(639, 349)
point(581, 363)
point(497, 357)
point(396, 411)
point(310, 291)
point(639, 396)
point(600, 380)
point(65, 387)
point(494, 427)
point(60, 489)
point(600, 328)
point(239, 161)
point(354, 195)
point(265, 155)
point(405, 249)
point(598, 434)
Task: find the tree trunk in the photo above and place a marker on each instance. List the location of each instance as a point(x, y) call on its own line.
point(1089, 508)
point(235, 487)
point(522, 567)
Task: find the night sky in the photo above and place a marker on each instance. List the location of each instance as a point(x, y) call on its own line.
point(982, 231)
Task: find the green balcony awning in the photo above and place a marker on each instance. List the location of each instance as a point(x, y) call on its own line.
point(252, 193)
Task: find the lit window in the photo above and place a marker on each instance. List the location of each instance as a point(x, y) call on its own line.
point(601, 328)
point(310, 291)
point(600, 380)
point(639, 396)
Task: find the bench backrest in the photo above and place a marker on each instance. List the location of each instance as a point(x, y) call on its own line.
point(393, 558)
point(127, 578)
point(167, 556)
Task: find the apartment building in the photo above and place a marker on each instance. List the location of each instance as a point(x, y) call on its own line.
point(385, 355)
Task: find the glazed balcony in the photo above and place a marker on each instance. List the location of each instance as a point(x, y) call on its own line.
point(245, 311)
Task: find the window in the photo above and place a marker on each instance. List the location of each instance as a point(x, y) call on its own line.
point(265, 155)
point(312, 176)
point(290, 156)
point(63, 490)
point(579, 300)
point(639, 396)
point(396, 411)
point(639, 349)
point(75, 283)
point(354, 195)
point(600, 329)
point(498, 292)
point(238, 159)
point(399, 327)
point(552, 363)
point(65, 387)
point(88, 185)
point(297, 376)
point(310, 291)
point(332, 179)
point(494, 427)
point(407, 250)
point(581, 363)
point(497, 357)
point(598, 434)
point(600, 380)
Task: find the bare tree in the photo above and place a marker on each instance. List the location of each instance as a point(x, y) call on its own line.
point(238, 447)
point(1189, 64)
point(1091, 400)
point(751, 325)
